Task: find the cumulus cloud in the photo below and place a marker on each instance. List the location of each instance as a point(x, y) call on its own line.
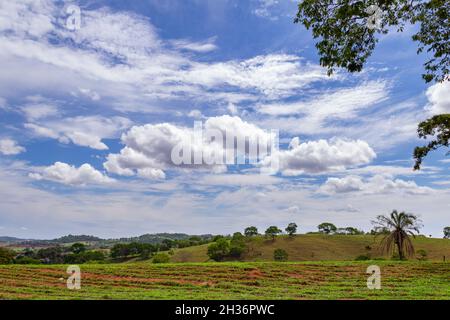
point(10, 147)
point(151, 146)
point(87, 131)
point(67, 174)
point(439, 98)
point(321, 156)
point(377, 184)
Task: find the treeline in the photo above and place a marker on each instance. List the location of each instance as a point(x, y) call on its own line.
point(79, 253)
point(146, 250)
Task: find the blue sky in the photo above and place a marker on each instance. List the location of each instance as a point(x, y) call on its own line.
point(89, 116)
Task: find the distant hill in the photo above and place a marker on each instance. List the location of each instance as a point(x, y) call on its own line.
point(158, 237)
point(76, 238)
point(10, 239)
point(318, 247)
point(146, 238)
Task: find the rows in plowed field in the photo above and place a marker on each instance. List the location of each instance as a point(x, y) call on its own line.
point(313, 280)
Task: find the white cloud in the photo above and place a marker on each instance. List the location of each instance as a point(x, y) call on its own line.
point(322, 156)
point(30, 17)
point(293, 209)
point(36, 111)
point(150, 146)
point(201, 47)
point(439, 98)
point(239, 180)
point(232, 109)
point(122, 56)
point(120, 34)
point(339, 104)
point(149, 173)
point(87, 131)
point(3, 105)
point(377, 184)
point(264, 9)
point(10, 147)
point(91, 94)
point(274, 75)
point(197, 114)
point(67, 174)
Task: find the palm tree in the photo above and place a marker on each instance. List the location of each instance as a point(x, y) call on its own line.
point(401, 226)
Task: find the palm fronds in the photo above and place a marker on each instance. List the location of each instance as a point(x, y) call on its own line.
point(401, 226)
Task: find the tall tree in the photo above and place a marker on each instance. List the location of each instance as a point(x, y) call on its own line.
point(251, 231)
point(272, 232)
point(327, 228)
point(347, 30)
point(401, 226)
point(437, 127)
point(447, 232)
point(291, 229)
point(347, 36)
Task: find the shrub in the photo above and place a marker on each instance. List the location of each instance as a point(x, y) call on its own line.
point(161, 258)
point(26, 260)
point(6, 255)
point(251, 231)
point(219, 250)
point(327, 228)
point(272, 232)
point(236, 250)
point(291, 229)
point(422, 255)
point(362, 257)
point(280, 255)
point(78, 248)
point(84, 257)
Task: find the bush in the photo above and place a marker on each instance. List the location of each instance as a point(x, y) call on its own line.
point(84, 257)
point(219, 250)
point(280, 255)
point(237, 245)
point(161, 258)
point(6, 256)
point(422, 255)
point(236, 250)
point(51, 255)
point(78, 248)
point(272, 232)
point(362, 257)
point(26, 260)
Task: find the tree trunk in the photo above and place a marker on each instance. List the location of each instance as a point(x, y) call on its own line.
point(400, 248)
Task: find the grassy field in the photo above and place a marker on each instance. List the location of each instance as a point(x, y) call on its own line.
point(315, 247)
point(300, 280)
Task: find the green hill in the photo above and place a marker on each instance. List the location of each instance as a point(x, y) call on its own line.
point(318, 247)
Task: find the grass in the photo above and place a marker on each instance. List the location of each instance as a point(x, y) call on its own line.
point(316, 247)
point(230, 280)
